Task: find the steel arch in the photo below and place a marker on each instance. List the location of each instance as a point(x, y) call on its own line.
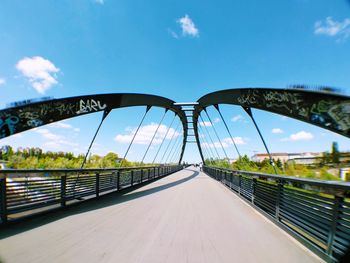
point(32, 115)
point(326, 110)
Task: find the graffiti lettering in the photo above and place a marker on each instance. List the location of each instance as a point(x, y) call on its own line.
point(66, 109)
point(90, 105)
point(8, 125)
point(249, 98)
point(340, 114)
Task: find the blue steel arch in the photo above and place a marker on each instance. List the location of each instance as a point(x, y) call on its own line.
point(326, 110)
point(32, 115)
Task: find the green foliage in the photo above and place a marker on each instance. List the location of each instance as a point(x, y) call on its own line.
point(291, 169)
point(35, 158)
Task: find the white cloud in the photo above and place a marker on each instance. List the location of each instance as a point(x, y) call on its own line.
point(237, 140)
point(188, 27)
point(213, 145)
point(145, 134)
point(39, 71)
point(61, 124)
point(277, 130)
point(237, 118)
point(2, 81)
point(55, 140)
point(48, 135)
point(299, 136)
point(225, 143)
point(205, 123)
point(101, 2)
point(333, 28)
point(216, 120)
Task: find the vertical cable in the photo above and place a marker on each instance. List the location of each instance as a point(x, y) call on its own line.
point(205, 110)
point(166, 134)
point(205, 128)
point(223, 120)
point(205, 141)
point(250, 113)
point(207, 149)
point(105, 114)
point(133, 138)
point(154, 135)
point(172, 147)
point(175, 153)
point(166, 149)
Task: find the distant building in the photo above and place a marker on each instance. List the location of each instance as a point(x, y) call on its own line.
point(259, 157)
point(306, 158)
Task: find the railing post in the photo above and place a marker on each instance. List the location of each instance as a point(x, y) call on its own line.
point(154, 172)
point(239, 183)
point(148, 172)
point(132, 177)
point(118, 179)
point(253, 190)
point(141, 173)
point(3, 201)
point(278, 198)
point(338, 201)
point(97, 185)
point(63, 190)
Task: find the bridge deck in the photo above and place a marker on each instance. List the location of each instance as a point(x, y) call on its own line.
point(186, 217)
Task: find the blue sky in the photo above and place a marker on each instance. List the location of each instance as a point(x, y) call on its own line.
point(177, 49)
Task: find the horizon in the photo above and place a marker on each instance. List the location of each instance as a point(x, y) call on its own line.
point(180, 51)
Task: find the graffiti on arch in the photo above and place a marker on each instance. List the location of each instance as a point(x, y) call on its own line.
point(327, 112)
point(24, 118)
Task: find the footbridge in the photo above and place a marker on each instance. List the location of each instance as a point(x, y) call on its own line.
point(164, 211)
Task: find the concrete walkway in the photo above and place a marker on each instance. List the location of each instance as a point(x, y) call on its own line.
point(185, 217)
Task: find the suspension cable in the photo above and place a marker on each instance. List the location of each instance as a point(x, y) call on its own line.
point(205, 110)
point(105, 114)
point(250, 113)
point(223, 120)
point(166, 134)
point(208, 150)
point(133, 138)
point(154, 135)
point(172, 147)
point(205, 128)
point(205, 141)
point(166, 149)
point(175, 153)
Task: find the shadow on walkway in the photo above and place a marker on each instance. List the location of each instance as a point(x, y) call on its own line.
point(111, 199)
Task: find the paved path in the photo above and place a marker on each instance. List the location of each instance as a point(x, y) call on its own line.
point(185, 217)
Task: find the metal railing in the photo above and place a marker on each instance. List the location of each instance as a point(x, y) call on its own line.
point(24, 192)
point(315, 212)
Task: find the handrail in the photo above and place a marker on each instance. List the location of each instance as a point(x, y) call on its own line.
point(59, 172)
point(315, 212)
point(24, 192)
point(326, 184)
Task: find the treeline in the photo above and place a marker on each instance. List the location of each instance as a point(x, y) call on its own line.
point(36, 158)
point(291, 169)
